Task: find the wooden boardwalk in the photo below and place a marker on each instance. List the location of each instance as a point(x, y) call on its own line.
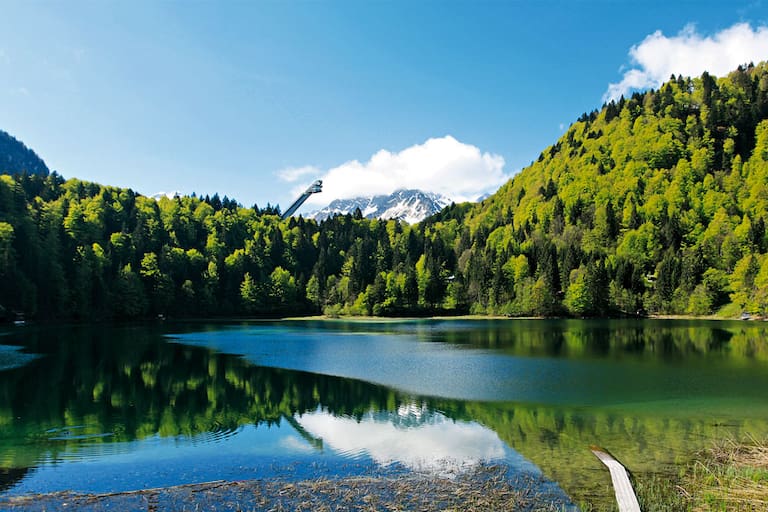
point(622, 487)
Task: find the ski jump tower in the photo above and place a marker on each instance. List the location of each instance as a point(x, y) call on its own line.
point(314, 188)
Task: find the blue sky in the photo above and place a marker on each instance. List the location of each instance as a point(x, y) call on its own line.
point(255, 99)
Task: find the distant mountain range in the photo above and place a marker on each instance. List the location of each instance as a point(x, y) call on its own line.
point(411, 206)
point(16, 158)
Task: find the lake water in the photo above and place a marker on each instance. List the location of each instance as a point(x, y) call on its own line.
point(101, 409)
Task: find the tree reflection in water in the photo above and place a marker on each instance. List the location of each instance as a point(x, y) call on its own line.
point(109, 385)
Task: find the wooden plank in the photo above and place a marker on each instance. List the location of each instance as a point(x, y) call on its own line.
point(622, 487)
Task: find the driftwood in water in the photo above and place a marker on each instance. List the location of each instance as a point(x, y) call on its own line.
point(622, 487)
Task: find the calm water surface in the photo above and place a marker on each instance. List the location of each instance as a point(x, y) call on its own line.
point(116, 408)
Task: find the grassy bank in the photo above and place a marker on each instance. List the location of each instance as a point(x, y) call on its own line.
point(729, 476)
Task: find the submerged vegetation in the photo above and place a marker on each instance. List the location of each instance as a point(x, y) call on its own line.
point(656, 203)
point(484, 488)
point(732, 476)
point(728, 476)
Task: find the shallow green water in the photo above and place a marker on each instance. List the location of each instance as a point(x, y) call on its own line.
point(101, 409)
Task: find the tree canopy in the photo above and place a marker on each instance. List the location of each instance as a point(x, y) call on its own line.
point(654, 203)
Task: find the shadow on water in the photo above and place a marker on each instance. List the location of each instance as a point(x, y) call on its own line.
point(11, 476)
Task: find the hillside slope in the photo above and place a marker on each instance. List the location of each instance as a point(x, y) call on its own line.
point(657, 203)
point(16, 158)
point(664, 195)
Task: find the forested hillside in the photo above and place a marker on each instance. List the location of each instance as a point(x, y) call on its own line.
point(657, 203)
point(16, 158)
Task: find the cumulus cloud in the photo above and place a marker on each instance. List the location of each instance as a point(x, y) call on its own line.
point(444, 165)
point(292, 174)
point(689, 53)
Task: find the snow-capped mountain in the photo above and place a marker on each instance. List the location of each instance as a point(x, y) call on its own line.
point(169, 195)
point(412, 206)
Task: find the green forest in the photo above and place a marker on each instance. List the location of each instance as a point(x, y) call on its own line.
point(652, 204)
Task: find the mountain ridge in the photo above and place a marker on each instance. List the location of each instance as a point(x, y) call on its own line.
point(409, 205)
point(17, 158)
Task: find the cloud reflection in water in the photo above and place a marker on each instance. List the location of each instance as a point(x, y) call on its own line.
point(415, 437)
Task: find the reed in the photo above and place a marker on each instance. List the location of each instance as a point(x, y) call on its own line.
point(732, 476)
point(729, 476)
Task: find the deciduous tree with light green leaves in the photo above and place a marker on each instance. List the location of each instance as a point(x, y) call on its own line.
point(657, 203)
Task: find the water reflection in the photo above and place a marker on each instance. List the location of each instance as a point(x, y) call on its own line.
point(120, 385)
point(135, 399)
point(573, 363)
point(13, 357)
point(414, 436)
point(130, 409)
point(618, 339)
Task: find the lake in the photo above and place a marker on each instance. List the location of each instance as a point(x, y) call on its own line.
point(102, 409)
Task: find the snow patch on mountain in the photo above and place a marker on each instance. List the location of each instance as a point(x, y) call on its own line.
point(411, 206)
point(169, 195)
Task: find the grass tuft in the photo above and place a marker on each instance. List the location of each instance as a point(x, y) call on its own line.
point(729, 476)
point(733, 476)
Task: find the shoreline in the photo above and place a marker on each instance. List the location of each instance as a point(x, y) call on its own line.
point(487, 487)
point(376, 319)
point(496, 317)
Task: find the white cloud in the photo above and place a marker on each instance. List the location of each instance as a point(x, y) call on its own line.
point(443, 165)
point(689, 53)
point(292, 174)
